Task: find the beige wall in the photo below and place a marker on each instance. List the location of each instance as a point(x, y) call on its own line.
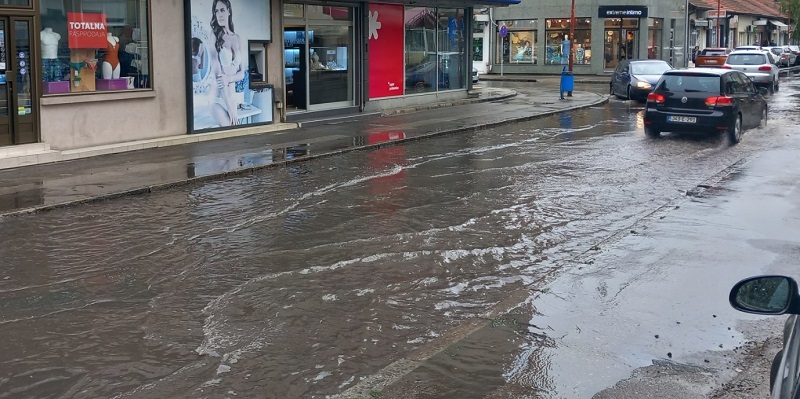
point(80, 121)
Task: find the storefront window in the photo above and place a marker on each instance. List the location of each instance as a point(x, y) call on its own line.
point(452, 49)
point(654, 38)
point(557, 31)
point(520, 45)
point(435, 49)
point(94, 45)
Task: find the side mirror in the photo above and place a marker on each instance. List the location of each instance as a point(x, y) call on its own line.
point(767, 295)
point(763, 91)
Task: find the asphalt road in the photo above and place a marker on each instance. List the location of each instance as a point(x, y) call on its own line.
point(539, 259)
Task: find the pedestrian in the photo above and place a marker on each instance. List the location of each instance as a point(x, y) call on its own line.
point(695, 53)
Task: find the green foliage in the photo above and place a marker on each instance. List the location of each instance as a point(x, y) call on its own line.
point(791, 8)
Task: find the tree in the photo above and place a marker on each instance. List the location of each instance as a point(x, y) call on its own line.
point(791, 8)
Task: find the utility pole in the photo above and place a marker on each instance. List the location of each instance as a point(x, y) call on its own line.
point(719, 32)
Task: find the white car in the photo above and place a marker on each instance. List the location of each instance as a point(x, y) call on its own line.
point(757, 65)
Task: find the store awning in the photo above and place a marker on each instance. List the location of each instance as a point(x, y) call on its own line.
point(779, 24)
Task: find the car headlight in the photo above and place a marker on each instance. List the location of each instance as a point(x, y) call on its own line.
point(643, 85)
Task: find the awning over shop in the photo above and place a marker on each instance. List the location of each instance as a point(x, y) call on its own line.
point(779, 24)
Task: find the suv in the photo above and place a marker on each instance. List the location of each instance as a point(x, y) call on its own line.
point(758, 66)
point(704, 100)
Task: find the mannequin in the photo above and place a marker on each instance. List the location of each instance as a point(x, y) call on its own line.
point(111, 66)
point(51, 66)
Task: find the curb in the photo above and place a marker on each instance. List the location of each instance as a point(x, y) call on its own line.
point(602, 99)
point(399, 111)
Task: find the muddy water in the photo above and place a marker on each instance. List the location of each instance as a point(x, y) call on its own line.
point(300, 281)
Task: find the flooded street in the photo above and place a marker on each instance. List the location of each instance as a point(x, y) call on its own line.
point(301, 281)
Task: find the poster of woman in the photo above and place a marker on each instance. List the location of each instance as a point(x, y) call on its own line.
point(219, 54)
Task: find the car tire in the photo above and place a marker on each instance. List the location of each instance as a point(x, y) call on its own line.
point(628, 94)
point(652, 133)
point(772, 88)
point(764, 117)
point(773, 371)
point(735, 132)
point(777, 85)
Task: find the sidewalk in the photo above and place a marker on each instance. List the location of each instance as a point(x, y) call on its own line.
point(163, 164)
point(546, 79)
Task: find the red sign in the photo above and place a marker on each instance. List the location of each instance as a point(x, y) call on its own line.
point(87, 30)
point(386, 50)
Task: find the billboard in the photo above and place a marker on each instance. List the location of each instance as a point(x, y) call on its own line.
point(386, 50)
point(226, 39)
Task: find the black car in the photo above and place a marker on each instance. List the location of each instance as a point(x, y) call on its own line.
point(634, 79)
point(704, 100)
point(775, 295)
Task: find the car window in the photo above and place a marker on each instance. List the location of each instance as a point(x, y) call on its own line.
point(649, 68)
point(747, 83)
point(689, 83)
point(712, 52)
point(747, 59)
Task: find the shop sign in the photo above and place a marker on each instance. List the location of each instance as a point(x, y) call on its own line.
point(224, 87)
point(714, 14)
point(87, 30)
point(622, 12)
point(386, 50)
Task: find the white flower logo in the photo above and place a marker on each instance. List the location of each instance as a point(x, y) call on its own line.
point(374, 25)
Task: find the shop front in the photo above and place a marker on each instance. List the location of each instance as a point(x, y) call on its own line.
point(538, 39)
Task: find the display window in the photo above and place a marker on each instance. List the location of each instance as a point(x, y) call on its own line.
point(94, 46)
point(226, 60)
point(520, 45)
point(435, 49)
point(654, 37)
point(559, 43)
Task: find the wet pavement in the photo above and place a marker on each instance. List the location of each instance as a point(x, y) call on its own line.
point(320, 278)
point(46, 186)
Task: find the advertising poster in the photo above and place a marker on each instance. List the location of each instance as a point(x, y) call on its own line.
point(220, 63)
point(386, 50)
point(86, 30)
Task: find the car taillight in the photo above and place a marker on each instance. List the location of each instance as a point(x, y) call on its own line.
point(655, 98)
point(765, 68)
point(720, 101)
point(726, 67)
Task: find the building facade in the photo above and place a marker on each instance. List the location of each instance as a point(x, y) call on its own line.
point(537, 38)
point(76, 74)
point(757, 22)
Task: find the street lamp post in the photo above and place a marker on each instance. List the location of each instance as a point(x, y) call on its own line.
point(719, 33)
point(571, 41)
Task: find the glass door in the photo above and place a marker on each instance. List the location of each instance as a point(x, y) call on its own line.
point(18, 119)
point(330, 72)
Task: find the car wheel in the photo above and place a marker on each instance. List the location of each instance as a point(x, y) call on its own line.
point(652, 133)
point(764, 115)
point(773, 372)
point(772, 88)
point(611, 89)
point(628, 94)
point(777, 85)
point(735, 131)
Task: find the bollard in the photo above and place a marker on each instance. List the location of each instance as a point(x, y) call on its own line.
point(567, 83)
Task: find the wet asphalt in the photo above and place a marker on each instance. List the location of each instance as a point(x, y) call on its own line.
point(537, 259)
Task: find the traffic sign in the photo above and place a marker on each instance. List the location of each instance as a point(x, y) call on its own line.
point(503, 31)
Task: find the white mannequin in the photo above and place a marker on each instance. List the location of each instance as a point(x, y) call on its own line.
point(111, 67)
point(50, 41)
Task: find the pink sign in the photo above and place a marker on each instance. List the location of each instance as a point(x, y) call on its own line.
point(386, 50)
point(87, 30)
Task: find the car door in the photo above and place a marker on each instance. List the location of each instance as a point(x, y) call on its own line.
point(733, 88)
point(621, 78)
point(744, 99)
point(757, 101)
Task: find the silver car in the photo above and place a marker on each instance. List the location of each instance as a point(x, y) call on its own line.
point(757, 65)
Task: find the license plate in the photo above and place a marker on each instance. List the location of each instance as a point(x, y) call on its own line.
point(682, 119)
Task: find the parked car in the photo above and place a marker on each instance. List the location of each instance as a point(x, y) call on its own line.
point(796, 51)
point(704, 100)
point(634, 79)
point(784, 55)
point(747, 48)
point(712, 57)
point(474, 75)
point(757, 66)
point(775, 295)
